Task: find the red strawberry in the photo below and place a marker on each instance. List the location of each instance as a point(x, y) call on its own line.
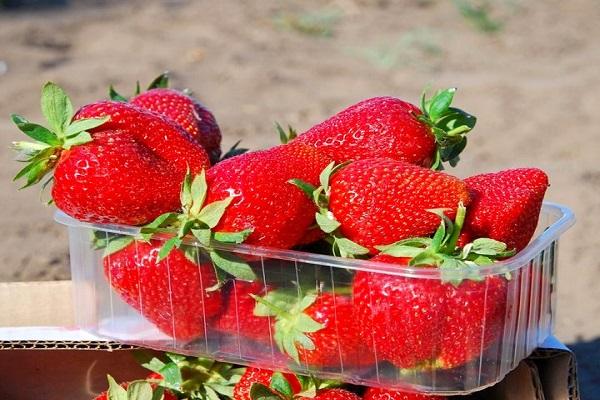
point(263, 200)
point(428, 323)
point(119, 391)
point(319, 330)
point(333, 394)
point(386, 394)
point(238, 315)
point(389, 127)
point(506, 205)
point(170, 293)
point(379, 201)
point(186, 111)
point(262, 376)
point(113, 162)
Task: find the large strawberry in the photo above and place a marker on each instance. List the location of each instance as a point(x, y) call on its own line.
point(392, 128)
point(135, 390)
point(182, 108)
point(171, 293)
point(265, 377)
point(112, 162)
point(277, 212)
point(317, 330)
point(431, 323)
point(380, 201)
point(386, 394)
point(506, 205)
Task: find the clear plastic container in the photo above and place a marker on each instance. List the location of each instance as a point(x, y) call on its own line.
point(446, 340)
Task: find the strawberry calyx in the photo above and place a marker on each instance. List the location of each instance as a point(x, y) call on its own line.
point(136, 390)
point(233, 151)
point(198, 220)
point(42, 155)
point(286, 136)
point(281, 389)
point(161, 81)
point(291, 322)
point(194, 378)
point(326, 221)
point(441, 250)
point(449, 126)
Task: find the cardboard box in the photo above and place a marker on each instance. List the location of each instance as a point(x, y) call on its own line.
point(50, 363)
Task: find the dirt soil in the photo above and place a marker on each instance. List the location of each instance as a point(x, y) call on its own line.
point(528, 70)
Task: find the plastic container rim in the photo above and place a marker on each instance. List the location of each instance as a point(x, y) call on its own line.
point(564, 215)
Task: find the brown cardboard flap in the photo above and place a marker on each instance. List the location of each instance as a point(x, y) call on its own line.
point(522, 383)
point(557, 369)
point(36, 304)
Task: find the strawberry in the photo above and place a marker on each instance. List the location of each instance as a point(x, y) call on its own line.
point(317, 330)
point(380, 201)
point(265, 377)
point(429, 323)
point(135, 390)
point(333, 394)
point(170, 293)
point(386, 394)
point(263, 200)
point(506, 205)
point(112, 162)
point(238, 316)
point(386, 127)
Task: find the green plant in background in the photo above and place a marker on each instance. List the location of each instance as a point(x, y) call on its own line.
point(478, 14)
point(315, 23)
point(406, 50)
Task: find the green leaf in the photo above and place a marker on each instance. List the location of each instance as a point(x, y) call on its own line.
point(280, 384)
point(304, 323)
point(440, 103)
point(198, 192)
point(489, 247)
point(233, 151)
point(139, 390)
point(28, 150)
point(402, 251)
point(81, 125)
point(168, 247)
point(159, 393)
point(349, 248)
point(210, 393)
point(115, 391)
point(233, 265)
point(326, 175)
point(56, 107)
point(162, 220)
point(306, 187)
point(426, 258)
point(186, 192)
point(233, 237)
point(203, 236)
point(117, 244)
point(154, 365)
point(161, 81)
point(80, 138)
point(35, 131)
point(327, 223)
point(115, 96)
point(258, 391)
point(171, 374)
point(212, 213)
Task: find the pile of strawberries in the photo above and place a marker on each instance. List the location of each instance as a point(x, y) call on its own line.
point(365, 184)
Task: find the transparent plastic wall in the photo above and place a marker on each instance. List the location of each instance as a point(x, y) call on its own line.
point(391, 326)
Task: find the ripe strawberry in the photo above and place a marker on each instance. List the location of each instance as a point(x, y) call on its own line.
point(265, 377)
point(114, 162)
point(145, 391)
point(428, 323)
point(380, 201)
point(333, 394)
point(278, 213)
point(170, 293)
point(238, 316)
point(386, 127)
point(317, 330)
point(506, 205)
point(386, 394)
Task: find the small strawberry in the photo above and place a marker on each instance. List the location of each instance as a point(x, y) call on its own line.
point(277, 212)
point(386, 394)
point(135, 390)
point(238, 316)
point(506, 205)
point(380, 201)
point(428, 323)
point(112, 162)
point(317, 330)
point(183, 109)
point(265, 377)
point(386, 127)
point(171, 293)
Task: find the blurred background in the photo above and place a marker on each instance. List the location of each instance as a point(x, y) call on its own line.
point(528, 70)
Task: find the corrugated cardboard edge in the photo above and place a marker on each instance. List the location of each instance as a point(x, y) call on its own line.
point(556, 366)
point(63, 345)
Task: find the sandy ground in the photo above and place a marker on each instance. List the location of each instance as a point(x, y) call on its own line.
point(533, 84)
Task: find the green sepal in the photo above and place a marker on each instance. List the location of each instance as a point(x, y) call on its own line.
point(77, 139)
point(233, 237)
point(82, 125)
point(35, 131)
point(233, 151)
point(117, 244)
point(285, 137)
point(115, 391)
point(233, 265)
point(115, 96)
point(346, 248)
point(56, 107)
point(327, 222)
point(139, 390)
point(306, 187)
point(281, 385)
point(169, 246)
point(258, 391)
point(161, 81)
